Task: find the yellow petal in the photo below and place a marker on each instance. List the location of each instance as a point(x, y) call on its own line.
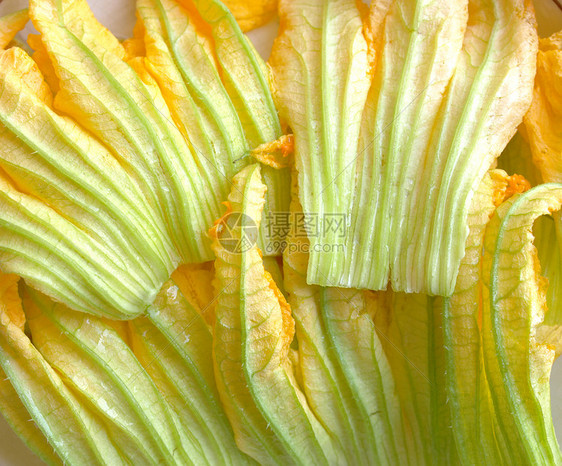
point(21, 423)
point(216, 88)
point(469, 396)
point(75, 433)
point(253, 331)
point(431, 125)
point(275, 153)
point(187, 73)
point(10, 403)
point(174, 344)
point(102, 91)
point(517, 158)
point(321, 80)
point(196, 284)
point(10, 25)
point(83, 350)
point(10, 299)
point(340, 360)
point(64, 196)
point(24, 73)
point(252, 14)
point(41, 57)
point(135, 47)
point(542, 122)
point(517, 360)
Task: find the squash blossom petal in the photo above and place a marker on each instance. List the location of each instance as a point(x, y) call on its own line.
point(396, 120)
point(94, 172)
